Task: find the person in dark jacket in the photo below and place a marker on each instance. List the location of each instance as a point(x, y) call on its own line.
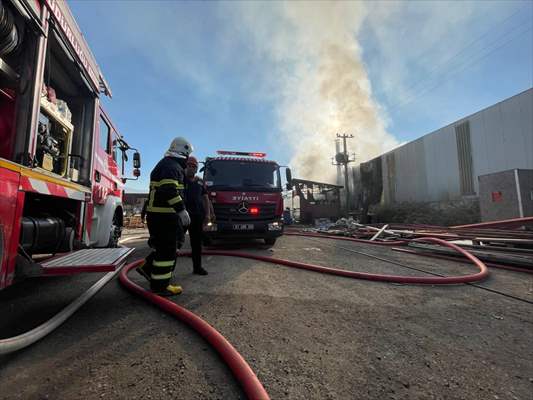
point(166, 217)
point(198, 207)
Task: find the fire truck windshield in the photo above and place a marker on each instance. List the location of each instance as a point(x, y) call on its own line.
point(242, 175)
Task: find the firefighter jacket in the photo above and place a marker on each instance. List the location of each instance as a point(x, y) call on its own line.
point(166, 187)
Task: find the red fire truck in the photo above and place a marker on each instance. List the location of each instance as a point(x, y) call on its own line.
point(61, 158)
point(245, 190)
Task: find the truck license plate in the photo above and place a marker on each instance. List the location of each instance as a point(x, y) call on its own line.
point(243, 227)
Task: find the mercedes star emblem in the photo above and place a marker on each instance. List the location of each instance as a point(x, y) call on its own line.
point(243, 207)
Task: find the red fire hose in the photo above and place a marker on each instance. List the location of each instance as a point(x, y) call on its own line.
point(482, 274)
point(240, 368)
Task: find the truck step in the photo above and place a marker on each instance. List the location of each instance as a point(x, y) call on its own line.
point(87, 260)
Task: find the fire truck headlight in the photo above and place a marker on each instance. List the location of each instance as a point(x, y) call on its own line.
point(274, 226)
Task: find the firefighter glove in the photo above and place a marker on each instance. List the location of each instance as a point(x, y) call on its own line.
point(184, 218)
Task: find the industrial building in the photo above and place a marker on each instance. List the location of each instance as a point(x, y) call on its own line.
point(446, 165)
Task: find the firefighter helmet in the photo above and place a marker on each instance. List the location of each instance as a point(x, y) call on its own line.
point(179, 148)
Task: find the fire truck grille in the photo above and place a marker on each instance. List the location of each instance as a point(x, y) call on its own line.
point(230, 212)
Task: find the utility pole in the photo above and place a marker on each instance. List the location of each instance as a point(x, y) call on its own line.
point(343, 158)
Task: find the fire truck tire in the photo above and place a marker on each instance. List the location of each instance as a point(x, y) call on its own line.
point(115, 233)
point(207, 241)
point(270, 241)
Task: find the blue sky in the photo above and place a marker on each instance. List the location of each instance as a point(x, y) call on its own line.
point(283, 78)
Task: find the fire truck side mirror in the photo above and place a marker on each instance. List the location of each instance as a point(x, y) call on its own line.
point(136, 172)
point(137, 162)
point(288, 176)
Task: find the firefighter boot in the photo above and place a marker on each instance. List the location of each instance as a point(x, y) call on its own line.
point(144, 269)
point(170, 290)
point(199, 271)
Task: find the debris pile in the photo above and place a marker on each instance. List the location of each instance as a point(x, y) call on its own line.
point(134, 221)
point(351, 228)
point(504, 244)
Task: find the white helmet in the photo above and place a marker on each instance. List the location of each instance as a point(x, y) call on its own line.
point(179, 148)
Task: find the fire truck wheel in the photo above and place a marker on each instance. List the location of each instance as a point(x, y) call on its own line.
point(116, 232)
point(270, 241)
point(207, 241)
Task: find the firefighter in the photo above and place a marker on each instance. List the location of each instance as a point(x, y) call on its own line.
point(166, 217)
point(198, 206)
point(287, 217)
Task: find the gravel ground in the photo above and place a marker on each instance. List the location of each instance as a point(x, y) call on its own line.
point(306, 335)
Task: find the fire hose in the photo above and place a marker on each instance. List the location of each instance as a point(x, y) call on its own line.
point(239, 367)
point(482, 274)
point(15, 343)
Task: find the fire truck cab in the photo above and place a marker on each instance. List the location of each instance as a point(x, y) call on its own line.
point(61, 158)
point(245, 190)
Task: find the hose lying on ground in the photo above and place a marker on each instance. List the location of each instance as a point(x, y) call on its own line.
point(461, 260)
point(482, 274)
point(240, 368)
point(15, 343)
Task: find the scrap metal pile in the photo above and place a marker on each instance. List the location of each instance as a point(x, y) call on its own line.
point(503, 244)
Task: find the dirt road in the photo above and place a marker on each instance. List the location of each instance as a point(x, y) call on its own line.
point(306, 335)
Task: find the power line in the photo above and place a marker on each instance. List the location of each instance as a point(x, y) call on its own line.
point(458, 69)
point(425, 85)
point(472, 43)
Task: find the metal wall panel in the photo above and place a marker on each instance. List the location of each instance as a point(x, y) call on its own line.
point(481, 160)
point(389, 176)
point(526, 105)
point(525, 183)
point(421, 167)
point(464, 155)
point(442, 165)
point(498, 197)
point(506, 194)
point(494, 137)
point(501, 138)
point(514, 121)
point(403, 174)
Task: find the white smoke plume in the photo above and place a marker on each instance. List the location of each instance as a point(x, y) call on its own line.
point(320, 79)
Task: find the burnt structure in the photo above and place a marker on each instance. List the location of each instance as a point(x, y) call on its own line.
point(317, 200)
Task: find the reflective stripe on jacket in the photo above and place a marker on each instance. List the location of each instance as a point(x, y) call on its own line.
point(166, 187)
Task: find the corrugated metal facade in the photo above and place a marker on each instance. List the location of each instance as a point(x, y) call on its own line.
point(444, 165)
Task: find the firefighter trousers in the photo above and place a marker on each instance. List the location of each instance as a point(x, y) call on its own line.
point(160, 264)
point(196, 234)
